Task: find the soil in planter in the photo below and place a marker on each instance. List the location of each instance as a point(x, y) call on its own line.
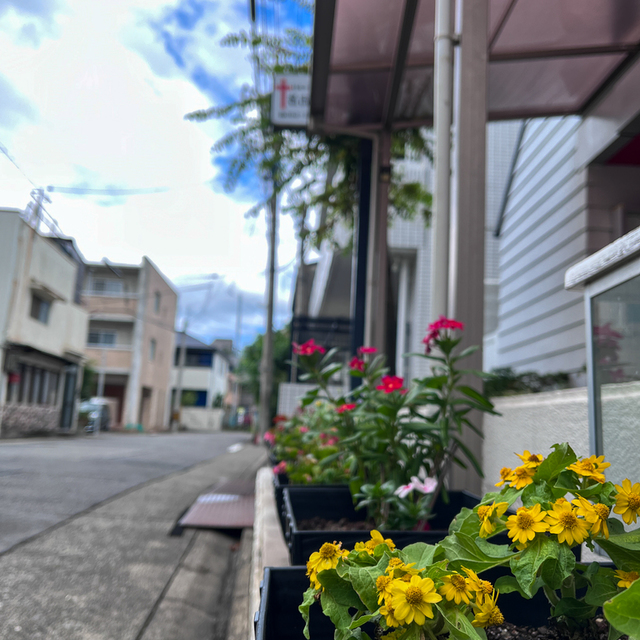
point(598, 630)
point(322, 524)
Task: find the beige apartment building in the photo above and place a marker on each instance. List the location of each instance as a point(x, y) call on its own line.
point(42, 327)
point(130, 339)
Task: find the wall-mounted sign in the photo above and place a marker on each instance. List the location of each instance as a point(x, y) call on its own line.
point(290, 100)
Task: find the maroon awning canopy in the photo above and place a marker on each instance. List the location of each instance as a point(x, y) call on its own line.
point(373, 59)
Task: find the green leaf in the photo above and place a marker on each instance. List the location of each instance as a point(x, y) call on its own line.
point(476, 554)
point(615, 526)
point(362, 620)
point(574, 609)
point(603, 587)
point(536, 493)
point(556, 462)
point(364, 579)
point(466, 521)
point(341, 590)
point(555, 570)
point(307, 600)
point(478, 397)
point(420, 553)
point(458, 624)
point(339, 613)
point(623, 611)
point(525, 566)
point(623, 549)
point(508, 584)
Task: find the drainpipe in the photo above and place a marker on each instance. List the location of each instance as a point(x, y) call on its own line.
point(442, 116)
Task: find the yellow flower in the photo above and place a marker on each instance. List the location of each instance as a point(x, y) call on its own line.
point(456, 587)
point(383, 586)
point(595, 514)
point(521, 476)
point(531, 460)
point(412, 600)
point(628, 500)
point(326, 558)
point(482, 588)
point(590, 467)
point(398, 569)
point(505, 472)
point(563, 521)
point(525, 524)
point(487, 613)
point(488, 514)
point(626, 578)
point(395, 563)
point(376, 539)
point(389, 614)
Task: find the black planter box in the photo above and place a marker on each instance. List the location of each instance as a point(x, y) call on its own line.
point(336, 503)
point(281, 593)
point(281, 480)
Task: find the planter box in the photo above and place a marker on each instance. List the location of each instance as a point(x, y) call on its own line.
point(336, 503)
point(281, 593)
point(281, 480)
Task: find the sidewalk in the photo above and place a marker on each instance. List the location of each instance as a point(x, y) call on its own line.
point(114, 573)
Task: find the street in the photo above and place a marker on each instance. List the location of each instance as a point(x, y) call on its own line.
point(88, 521)
point(45, 482)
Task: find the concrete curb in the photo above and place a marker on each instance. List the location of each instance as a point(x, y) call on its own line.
point(269, 548)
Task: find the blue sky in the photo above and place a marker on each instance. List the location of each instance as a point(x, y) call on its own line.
point(94, 94)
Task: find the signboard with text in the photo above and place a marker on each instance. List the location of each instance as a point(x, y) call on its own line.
point(290, 100)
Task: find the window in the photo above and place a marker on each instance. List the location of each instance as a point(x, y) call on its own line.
point(107, 287)
point(156, 302)
point(102, 338)
point(40, 309)
point(196, 358)
point(152, 349)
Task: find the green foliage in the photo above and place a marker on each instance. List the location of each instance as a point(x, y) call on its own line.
point(505, 382)
point(623, 611)
point(189, 399)
point(89, 376)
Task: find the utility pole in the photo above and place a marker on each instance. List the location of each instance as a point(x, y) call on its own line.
point(266, 366)
point(177, 399)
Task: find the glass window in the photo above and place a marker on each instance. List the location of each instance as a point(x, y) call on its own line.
point(36, 383)
point(40, 308)
point(156, 302)
point(616, 374)
point(102, 338)
point(152, 349)
point(52, 393)
point(106, 286)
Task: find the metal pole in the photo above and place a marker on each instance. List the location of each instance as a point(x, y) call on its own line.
point(266, 366)
point(442, 115)
point(177, 399)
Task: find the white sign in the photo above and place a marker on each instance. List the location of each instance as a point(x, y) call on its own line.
point(290, 100)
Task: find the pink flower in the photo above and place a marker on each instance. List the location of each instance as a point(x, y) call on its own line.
point(270, 438)
point(428, 486)
point(436, 327)
point(333, 440)
point(345, 407)
point(307, 348)
point(357, 364)
point(390, 384)
point(281, 467)
point(363, 350)
point(303, 429)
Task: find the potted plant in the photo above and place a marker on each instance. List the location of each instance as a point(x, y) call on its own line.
point(397, 441)
point(455, 588)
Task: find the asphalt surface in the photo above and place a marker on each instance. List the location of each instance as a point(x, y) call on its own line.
point(111, 571)
point(44, 482)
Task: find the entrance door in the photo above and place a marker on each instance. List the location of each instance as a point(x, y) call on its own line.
point(68, 398)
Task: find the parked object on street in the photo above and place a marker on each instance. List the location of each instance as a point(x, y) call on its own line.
point(97, 414)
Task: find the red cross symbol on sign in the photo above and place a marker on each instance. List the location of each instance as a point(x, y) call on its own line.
point(283, 87)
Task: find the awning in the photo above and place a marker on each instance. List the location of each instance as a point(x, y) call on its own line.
point(373, 59)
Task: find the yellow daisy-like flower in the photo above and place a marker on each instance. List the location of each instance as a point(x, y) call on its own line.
point(488, 513)
point(564, 522)
point(487, 613)
point(483, 588)
point(595, 514)
point(398, 569)
point(376, 539)
point(389, 614)
point(456, 588)
point(521, 476)
point(626, 578)
point(383, 587)
point(411, 601)
point(590, 467)
point(505, 472)
point(522, 527)
point(531, 460)
point(628, 500)
point(326, 558)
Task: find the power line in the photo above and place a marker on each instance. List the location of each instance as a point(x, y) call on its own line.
point(5, 151)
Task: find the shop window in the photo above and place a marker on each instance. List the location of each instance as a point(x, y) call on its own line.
point(40, 308)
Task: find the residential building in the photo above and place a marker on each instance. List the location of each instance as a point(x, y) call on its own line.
point(42, 328)
point(130, 339)
point(204, 381)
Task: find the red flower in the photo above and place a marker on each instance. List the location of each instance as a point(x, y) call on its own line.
point(307, 348)
point(390, 384)
point(281, 467)
point(280, 418)
point(363, 350)
point(345, 407)
point(269, 438)
point(357, 364)
point(332, 441)
point(436, 327)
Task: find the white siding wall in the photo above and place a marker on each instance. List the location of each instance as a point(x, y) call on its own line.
point(544, 231)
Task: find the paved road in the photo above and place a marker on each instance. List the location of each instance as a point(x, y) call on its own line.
point(44, 482)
